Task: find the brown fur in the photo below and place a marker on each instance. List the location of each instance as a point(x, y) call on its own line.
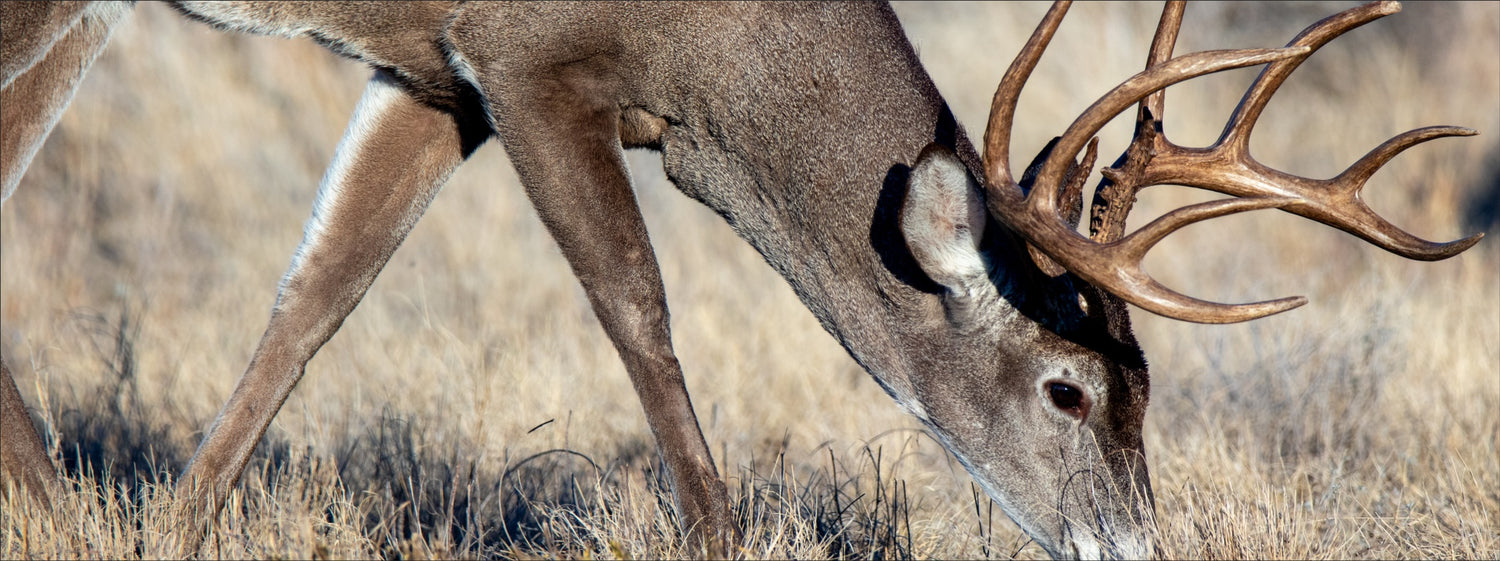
point(402, 38)
point(30, 30)
point(41, 88)
point(26, 463)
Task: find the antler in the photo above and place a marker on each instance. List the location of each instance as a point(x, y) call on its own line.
point(1112, 261)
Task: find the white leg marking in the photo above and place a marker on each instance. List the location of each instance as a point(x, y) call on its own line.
point(379, 95)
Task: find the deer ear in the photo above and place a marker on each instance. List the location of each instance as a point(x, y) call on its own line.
point(943, 221)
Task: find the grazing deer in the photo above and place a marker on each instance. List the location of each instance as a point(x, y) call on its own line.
point(966, 292)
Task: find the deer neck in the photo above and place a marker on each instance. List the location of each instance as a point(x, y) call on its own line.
point(804, 148)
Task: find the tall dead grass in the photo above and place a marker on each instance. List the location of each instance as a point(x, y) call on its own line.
point(471, 407)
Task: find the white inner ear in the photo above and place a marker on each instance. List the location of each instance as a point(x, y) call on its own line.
point(943, 221)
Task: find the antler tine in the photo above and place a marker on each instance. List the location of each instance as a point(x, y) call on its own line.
point(1152, 296)
point(1161, 50)
point(1113, 199)
point(1227, 166)
point(1116, 266)
point(1043, 196)
point(1237, 131)
point(1003, 107)
point(1353, 179)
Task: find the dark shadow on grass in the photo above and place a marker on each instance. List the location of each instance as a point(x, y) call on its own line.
point(425, 497)
point(110, 430)
point(433, 500)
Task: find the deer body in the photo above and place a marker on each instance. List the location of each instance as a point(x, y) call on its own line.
point(811, 128)
point(811, 173)
point(779, 164)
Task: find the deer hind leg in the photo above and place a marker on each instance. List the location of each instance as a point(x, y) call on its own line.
point(567, 152)
point(27, 466)
point(47, 49)
point(396, 155)
point(30, 30)
point(35, 94)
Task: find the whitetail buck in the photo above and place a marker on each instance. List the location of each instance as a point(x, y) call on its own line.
point(966, 292)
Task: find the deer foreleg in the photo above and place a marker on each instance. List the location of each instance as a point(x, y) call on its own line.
point(394, 158)
point(567, 152)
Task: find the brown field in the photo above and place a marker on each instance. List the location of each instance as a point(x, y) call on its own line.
point(472, 407)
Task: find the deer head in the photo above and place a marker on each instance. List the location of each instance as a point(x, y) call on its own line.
point(1060, 447)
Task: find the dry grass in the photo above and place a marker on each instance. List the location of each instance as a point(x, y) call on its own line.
point(471, 407)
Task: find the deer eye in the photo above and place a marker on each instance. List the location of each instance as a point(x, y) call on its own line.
point(1069, 399)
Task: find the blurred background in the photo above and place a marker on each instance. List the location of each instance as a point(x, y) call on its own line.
point(142, 250)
